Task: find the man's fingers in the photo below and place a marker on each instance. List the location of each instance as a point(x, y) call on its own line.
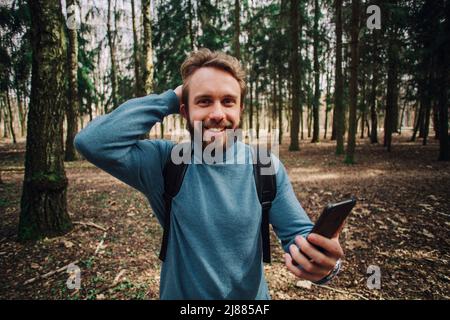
point(300, 273)
point(288, 261)
point(331, 246)
point(318, 257)
point(305, 263)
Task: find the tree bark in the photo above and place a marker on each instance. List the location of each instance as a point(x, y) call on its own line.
point(351, 138)
point(316, 102)
point(44, 203)
point(111, 35)
point(373, 109)
point(443, 105)
point(72, 101)
point(418, 119)
point(280, 110)
point(257, 105)
point(137, 73)
point(5, 118)
point(147, 48)
point(10, 117)
point(22, 113)
point(295, 122)
point(339, 85)
point(327, 100)
point(392, 92)
point(191, 32)
point(237, 30)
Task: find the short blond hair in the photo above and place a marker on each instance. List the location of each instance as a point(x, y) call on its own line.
point(206, 58)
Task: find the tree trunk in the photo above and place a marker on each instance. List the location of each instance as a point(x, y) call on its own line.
point(309, 116)
point(191, 32)
point(316, 102)
point(339, 85)
point(237, 30)
point(443, 104)
point(257, 105)
point(5, 118)
point(147, 48)
point(280, 110)
point(392, 92)
point(349, 158)
point(400, 125)
point(10, 117)
point(373, 109)
point(72, 101)
point(294, 66)
point(1, 113)
point(44, 203)
point(333, 124)
point(327, 102)
point(273, 116)
point(363, 106)
point(22, 113)
point(418, 119)
point(111, 35)
point(363, 120)
point(250, 115)
point(435, 119)
point(427, 122)
point(137, 73)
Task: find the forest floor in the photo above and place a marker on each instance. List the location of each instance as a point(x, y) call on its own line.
point(400, 225)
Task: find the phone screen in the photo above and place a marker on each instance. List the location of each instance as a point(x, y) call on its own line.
point(333, 217)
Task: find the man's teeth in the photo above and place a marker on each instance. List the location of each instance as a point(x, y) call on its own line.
point(215, 129)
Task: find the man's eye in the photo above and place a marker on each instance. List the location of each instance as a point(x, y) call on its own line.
point(204, 101)
point(228, 101)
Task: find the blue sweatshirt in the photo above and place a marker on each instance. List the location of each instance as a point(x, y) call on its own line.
point(214, 248)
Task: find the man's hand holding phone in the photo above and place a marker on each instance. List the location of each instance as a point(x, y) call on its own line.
point(314, 264)
point(317, 258)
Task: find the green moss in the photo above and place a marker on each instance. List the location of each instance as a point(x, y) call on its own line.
point(48, 176)
point(28, 232)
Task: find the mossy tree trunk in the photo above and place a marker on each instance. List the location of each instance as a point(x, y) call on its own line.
point(44, 203)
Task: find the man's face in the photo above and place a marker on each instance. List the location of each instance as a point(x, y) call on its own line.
point(215, 101)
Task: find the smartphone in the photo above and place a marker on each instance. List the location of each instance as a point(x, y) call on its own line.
point(333, 217)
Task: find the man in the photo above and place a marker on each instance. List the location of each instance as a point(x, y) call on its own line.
point(214, 248)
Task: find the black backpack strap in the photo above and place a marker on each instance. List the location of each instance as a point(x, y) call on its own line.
point(173, 175)
point(266, 186)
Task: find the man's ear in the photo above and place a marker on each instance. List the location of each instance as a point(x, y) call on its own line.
point(183, 111)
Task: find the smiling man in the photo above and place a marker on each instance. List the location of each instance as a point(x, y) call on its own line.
point(214, 245)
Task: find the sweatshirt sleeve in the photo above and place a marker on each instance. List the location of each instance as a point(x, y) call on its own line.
point(111, 142)
point(287, 216)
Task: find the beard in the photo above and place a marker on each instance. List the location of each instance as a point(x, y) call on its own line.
point(225, 124)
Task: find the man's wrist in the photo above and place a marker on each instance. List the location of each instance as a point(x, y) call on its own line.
point(172, 101)
point(331, 275)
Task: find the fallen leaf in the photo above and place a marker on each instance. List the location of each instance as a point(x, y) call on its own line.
point(67, 243)
point(35, 265)
point(427, 234)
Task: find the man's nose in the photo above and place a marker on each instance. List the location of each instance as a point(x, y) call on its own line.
point(217, 112)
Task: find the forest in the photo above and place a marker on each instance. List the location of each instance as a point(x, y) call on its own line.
point(356, 92)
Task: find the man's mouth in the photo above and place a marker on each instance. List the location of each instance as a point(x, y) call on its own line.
point(216, 129)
